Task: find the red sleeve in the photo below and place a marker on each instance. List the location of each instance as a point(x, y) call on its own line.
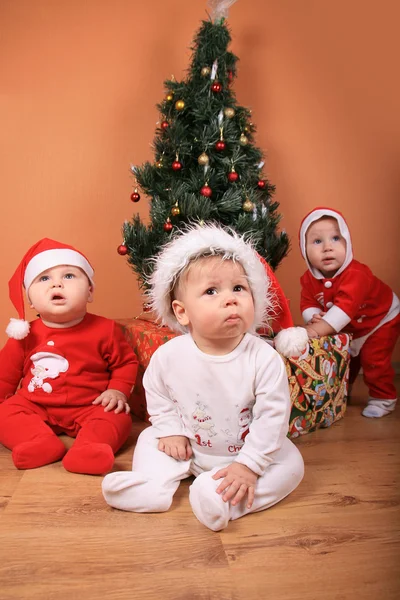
point(12, 358)
point(354, 290)
point(122, 363)
point(307, 299)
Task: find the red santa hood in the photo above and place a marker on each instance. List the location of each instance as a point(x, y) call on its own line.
point(313, 216)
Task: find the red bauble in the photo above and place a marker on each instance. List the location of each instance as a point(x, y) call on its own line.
point(216, 87)
point(122, 250)
point(135, 197)
point(206, 191)
point(233, 176)
point(220, 146)
point(164, 125)
point(176, 165)
point(261, 184)
point(230, 76)
point(168, 226)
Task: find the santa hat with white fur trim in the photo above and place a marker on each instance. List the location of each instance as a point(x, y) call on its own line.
point(205, 240)
point(43, 255)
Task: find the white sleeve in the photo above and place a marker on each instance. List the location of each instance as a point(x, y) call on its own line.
point(162, 410)
point(271, 413)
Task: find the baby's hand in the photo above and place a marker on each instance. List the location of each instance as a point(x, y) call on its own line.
point(111, 399)
point(176, 446)
point(316, 317)
point(238, 481)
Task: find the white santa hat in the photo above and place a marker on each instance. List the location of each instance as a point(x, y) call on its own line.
point(205, 240)
point(43, 255)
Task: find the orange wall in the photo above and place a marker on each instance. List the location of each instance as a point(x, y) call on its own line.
point(79, 81)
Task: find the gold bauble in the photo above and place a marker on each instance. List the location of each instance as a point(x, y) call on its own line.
point(203, 159)
point(169, 97)
point(179, 105)
point(229, 112)
point(159, 164)
point(205, 71)
point(175, 210)
point(243, 140)
point(247, 205)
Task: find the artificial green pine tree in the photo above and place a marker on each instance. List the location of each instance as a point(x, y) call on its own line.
point(206, 165)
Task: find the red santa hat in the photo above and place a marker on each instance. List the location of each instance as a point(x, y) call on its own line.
point(207, 240)
point(43, 255)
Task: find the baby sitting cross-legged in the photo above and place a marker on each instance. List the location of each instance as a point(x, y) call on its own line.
point(218, 395)
point(66, 372)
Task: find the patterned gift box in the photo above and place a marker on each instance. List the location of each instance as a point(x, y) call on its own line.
point(318, 379)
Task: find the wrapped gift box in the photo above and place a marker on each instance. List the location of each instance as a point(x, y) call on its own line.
point(318, 379)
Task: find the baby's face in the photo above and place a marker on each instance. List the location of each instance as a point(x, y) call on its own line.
point(215, 302)
point(60, 294)
point(325, 246)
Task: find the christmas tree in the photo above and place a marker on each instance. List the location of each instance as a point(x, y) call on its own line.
point(206, 167)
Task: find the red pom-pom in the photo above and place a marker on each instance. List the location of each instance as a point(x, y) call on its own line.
point(176, 165)
point(206, 191)
point(220, 146)
point(233, 176)
point(261, 184)
point(122, 250)
point(135, 197)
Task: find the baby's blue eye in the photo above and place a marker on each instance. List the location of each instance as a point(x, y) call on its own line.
point(336, 238)
point(44, 278)
point(317, 241)
point(69, 276)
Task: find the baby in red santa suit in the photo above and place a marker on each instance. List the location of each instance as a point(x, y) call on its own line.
point(67, 371)
point(339, 293)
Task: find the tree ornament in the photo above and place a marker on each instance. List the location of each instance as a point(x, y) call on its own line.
point(247, 205)
point(203, 159)
point(122, 250)
point(169, 97)
point(229, 112)
point(261, 184)
point(159, 164)
point(135, 196)
point(243, 140)
point(167, 226)
point(164, 125)
point(230, 76)
point(175, 210)
point(205, 71)
point(206, 191)
point(220, 146)
point(179, 105)
point(176, 165)
point(216, 87)
point(233, 176)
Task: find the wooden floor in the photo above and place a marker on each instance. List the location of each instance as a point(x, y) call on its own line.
point(335, 538)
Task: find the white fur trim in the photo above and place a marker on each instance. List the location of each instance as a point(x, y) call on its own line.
point(197, 241)
point(344, 230)
point(337, 318)
point(54, 258)
point(18, 329)
point(291, 341)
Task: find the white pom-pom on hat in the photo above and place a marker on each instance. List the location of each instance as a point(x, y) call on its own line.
point(291, 342)
point(205, 240)
point(43, 255)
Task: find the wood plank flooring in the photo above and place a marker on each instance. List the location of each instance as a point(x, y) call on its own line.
point(335, 538)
